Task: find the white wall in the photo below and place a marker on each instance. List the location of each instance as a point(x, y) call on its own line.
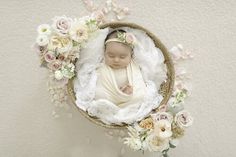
point(208, 28)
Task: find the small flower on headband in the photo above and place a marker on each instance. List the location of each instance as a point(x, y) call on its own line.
point(126, 38)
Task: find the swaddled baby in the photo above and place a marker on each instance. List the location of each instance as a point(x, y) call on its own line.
point(119, 77)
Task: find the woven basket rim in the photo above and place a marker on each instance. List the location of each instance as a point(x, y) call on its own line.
point(168, 62)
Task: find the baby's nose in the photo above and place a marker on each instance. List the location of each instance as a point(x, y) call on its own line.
point(117, 59)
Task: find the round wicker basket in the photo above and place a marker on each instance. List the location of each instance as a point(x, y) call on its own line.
point(165, 88)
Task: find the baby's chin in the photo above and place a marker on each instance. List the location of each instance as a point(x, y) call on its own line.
point(117, 67)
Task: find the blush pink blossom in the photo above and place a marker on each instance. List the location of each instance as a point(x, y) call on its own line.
point(62, 25)
point(49, 56)
point(129, 38)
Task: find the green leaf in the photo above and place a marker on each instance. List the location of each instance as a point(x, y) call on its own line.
point(172, 146)
point(164, 153)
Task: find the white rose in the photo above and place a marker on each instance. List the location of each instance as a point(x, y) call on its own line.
point(58, 75)
point(183, 119)
point(154, 143)
point(42, 40)
point(79, 32)
point(44, 29)
point(162, 129)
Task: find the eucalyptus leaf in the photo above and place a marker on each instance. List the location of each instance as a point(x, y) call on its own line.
point(172, 146)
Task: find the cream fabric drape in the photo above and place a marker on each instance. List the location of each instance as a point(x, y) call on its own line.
point(107, 87)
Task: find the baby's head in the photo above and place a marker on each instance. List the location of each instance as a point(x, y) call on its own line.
point(118, 49)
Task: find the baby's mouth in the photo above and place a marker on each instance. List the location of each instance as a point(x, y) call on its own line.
point(116, 65)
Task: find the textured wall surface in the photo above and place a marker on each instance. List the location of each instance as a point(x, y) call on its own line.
point(206, 27)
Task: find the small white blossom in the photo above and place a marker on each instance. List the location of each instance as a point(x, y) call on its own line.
point(42, 40)
point(58, 75)
point(44, 29)
point(133, 143)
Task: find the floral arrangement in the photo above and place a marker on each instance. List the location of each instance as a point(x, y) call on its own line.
point(162, 130)
point(58, 46)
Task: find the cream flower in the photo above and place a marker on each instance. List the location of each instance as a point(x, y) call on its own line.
point(147, 123)
point(155, 143)
point(133, 143)
point(62, 25)
point(177, 131)
point(162, 129)
point(60, 44)
point(79, 32)
point(183, 119)
point(42, 40)
point(58, 75)
point(44, 29)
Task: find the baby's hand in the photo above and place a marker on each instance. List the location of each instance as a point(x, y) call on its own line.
point(128, 89)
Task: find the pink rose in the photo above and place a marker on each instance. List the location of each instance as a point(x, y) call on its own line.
point(49, 56)
point(129, 38)
point(62, 24)
point(183, 119)
point(55, 65)
point(162, 116)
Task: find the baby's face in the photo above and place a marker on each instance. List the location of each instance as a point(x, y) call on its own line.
point(117, 55)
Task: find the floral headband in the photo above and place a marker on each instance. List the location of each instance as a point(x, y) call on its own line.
point(122, 37)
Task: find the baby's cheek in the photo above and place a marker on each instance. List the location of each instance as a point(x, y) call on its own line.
point(107, 61)
point(128, 61)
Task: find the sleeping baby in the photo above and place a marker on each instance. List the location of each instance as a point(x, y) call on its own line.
point(119, 77)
